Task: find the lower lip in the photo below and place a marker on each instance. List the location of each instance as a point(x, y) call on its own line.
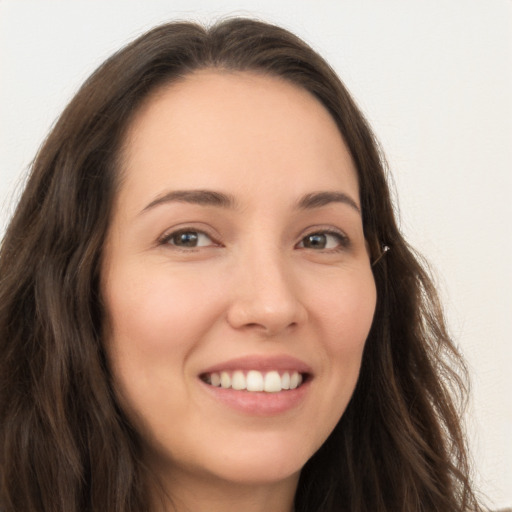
point(259, 403)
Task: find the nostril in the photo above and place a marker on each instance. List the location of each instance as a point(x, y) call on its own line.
point(269, 329)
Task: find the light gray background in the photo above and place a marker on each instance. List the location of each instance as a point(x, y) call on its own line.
point(434, 79)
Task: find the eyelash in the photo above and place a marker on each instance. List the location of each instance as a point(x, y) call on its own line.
point(166, 239)
point(343, 241)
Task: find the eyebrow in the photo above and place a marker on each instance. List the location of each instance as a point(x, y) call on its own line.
point(319, 199)
point(222, 200)
point(201, 197)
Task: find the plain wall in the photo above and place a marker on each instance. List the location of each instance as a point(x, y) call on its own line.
point(433, 77)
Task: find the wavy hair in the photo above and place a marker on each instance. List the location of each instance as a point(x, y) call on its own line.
point(66, 445)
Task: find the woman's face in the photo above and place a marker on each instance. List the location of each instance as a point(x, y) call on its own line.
point(236, 254)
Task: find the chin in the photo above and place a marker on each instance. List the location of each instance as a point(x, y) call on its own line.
point(262, 470)
point(254, 459)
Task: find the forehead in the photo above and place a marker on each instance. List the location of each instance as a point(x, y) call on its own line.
point(218, 127)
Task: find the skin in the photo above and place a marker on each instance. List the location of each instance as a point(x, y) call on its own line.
point(253, 286)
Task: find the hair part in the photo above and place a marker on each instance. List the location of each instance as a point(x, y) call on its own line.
point(65, 444)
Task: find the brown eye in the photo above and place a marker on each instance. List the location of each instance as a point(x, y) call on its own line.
point(189, 239)
point(323, 240)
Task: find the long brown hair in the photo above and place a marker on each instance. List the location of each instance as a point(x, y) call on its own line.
point(66, 445)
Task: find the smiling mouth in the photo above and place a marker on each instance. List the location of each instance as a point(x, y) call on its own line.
point(255, 381)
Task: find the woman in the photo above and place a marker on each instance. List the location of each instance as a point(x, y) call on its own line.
point(198, 311)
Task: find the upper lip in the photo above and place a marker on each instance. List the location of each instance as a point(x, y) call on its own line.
point(261, 363)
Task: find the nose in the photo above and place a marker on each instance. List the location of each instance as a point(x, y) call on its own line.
point(266, 296)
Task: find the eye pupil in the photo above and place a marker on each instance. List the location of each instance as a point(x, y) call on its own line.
point(186, 239)
point(315, 241)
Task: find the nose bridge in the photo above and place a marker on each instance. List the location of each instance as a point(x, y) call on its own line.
point(266, 296)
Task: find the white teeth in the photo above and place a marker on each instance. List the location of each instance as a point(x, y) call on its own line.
point(285, 380)
point(254, 381)
point(225, 380)
point(270, 382)
point(238, 381)
point(295, 380)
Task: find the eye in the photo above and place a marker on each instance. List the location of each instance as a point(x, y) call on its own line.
point(188, 239)
point(324, 240)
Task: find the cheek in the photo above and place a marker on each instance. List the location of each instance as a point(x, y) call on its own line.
point(344, 313)
point(345, 307)
point(342, 308)
point(159, 312)
point(156, 319)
